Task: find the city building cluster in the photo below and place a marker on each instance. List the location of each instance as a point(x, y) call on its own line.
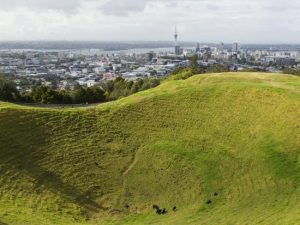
point(66, 68)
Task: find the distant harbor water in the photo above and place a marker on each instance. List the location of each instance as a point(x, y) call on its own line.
point(94, 51)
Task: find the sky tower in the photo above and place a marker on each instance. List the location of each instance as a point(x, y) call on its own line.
point(177, 47)
point(176, 35)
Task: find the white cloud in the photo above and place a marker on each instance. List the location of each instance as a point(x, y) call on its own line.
point(198, 20)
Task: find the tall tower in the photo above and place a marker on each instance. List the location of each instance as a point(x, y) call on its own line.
point(176, 36)
point(177, 47)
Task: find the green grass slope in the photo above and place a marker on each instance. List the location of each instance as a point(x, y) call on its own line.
point(231, 139)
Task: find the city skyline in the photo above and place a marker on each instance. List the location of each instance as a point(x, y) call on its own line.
point(270, 21)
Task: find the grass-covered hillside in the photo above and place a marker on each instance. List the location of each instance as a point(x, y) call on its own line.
point(221, 148)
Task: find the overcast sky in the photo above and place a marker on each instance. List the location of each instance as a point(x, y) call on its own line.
point(245, 21)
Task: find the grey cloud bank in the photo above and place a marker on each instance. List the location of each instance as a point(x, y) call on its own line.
point(269, 21)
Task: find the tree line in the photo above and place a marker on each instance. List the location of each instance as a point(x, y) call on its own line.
point(293, 71)
point(8, 90)
point(182, 73)
point(104, 92)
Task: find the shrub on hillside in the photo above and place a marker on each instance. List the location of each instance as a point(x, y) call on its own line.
point(218, 68)
point(8, 90)
point(256, 69)
point(120, 87)
point(293, 71)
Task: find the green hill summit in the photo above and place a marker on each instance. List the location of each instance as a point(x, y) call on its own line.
point(212, 149)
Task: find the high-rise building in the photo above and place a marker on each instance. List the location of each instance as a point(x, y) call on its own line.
point(235, 47)
point(150, 56)
point(221, 47)
point(177, 47)
point(297, 57)
point(198, 47)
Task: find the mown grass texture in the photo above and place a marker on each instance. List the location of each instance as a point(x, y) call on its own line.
point(230, 139)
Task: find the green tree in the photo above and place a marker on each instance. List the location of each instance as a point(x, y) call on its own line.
point(217, 69)
point(121, 88)
point(292, 71)
point(44, 95)
point(8, 90)
point(89, 95)
point(194, 65)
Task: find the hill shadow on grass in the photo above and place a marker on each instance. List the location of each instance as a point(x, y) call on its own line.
point(69, 192)
point(2, 223)
point(28, 148)
point(52, 181)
